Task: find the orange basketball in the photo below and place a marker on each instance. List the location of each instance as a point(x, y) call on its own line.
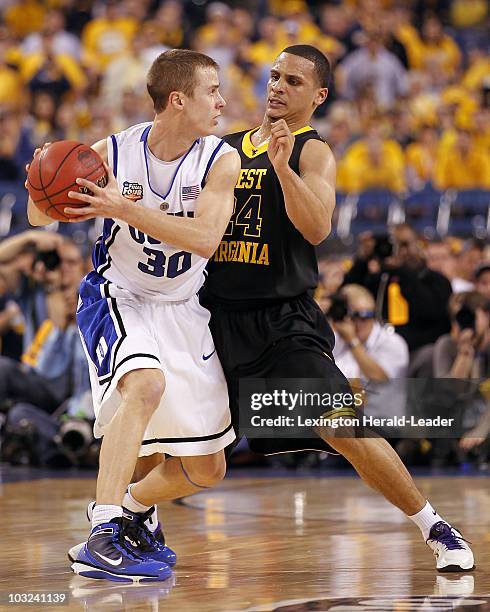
point(53, 172)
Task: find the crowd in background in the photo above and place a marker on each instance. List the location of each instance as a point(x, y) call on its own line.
point(408, 106)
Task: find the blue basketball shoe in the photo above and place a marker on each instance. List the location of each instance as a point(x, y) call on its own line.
point(107, 555)
point(138, 538)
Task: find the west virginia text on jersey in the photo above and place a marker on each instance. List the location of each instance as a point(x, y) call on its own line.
point(262, 256)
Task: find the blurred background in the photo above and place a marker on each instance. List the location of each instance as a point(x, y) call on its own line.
point(406, 270)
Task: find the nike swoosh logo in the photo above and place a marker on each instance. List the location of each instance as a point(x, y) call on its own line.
point(206, 357)
point(113, 562)
point(132, 542)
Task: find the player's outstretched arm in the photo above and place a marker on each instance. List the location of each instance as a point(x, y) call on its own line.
point(200, 235)
point(38, 218)
point(310, 197)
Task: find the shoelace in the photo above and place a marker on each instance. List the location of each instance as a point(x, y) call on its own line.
point(119, 542)
point(447, 536)
point(136, 530)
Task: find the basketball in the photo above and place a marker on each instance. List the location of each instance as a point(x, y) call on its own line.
point(53, 173)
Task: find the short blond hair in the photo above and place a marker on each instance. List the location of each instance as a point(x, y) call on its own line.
point(355, 292)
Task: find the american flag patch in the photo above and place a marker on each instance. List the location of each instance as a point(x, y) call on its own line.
point(190, 193)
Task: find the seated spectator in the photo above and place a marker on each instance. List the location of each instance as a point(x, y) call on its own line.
point(439, 258)
point(465, 352)
point(127, 73)
point(169, 21)
point(340, 130)
point(477, 70)
point(337, 24)
point(482, 280)
point(16, 146)
point(272, 40)
point(41, 124)
point(10, 81)
point(462, 165)
point(372, 353)
point(432, 44)
point(373, 162)
point(467, 261)
point(331, 272)
point(64, 43)
point(49, 71)
point(105, 38)
point(29, 259)
point(51, 363)
point(218, 37)
point(364, 348)
point(375, 67)
point(421, 156)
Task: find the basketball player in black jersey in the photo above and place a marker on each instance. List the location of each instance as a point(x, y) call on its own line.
point(264, 321)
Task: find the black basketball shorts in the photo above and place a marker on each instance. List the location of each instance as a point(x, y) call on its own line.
point(286, 340)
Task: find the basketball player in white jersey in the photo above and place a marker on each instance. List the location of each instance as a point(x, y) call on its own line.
point(157, 383)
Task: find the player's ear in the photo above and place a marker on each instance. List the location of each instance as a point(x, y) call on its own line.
point(321, 96)
point(176, 100)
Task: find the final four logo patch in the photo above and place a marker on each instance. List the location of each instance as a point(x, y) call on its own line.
point(132, 191)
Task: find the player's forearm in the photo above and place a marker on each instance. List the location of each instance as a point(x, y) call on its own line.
point(309, 215)
point(190, 234)
point(35, 216)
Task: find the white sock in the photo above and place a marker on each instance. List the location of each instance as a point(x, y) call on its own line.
point(133, 504)
point(152, 521)
point(104, 513)
point(425, 519)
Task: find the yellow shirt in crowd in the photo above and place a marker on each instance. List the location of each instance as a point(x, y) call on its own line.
point(104, 40)
point(66, 64)
point(455, 171)
point(10, 86)
point(23, 18)
point(420, 53)
point(357, 171)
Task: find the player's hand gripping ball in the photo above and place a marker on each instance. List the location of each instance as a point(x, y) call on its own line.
point(53, 173)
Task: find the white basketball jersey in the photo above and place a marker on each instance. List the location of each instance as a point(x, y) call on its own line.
point(136, 261)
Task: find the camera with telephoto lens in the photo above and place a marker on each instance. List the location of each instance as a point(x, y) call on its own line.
point(338, 309)
point(50, 259)
point(466, 318)
point(383, 247)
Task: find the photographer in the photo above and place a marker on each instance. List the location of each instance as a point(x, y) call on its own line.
point(31, 263)
point(410, 296)
point(465, 352)
point(461, 361)
point(51, 364)
point(368, 351)
point(364, 348)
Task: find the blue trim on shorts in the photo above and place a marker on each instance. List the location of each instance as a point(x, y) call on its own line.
point(101, 336)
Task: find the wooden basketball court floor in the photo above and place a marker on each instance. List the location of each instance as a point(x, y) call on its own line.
point(258, 543)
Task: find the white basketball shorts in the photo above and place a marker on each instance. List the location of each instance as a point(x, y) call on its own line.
point(122, 332)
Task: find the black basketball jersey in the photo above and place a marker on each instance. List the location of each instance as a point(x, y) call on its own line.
point(262, 257)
